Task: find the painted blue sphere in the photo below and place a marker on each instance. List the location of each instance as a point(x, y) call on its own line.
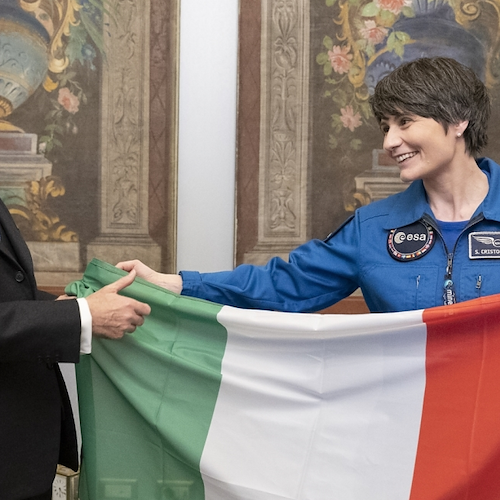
point(24, 46)
point(437, 34)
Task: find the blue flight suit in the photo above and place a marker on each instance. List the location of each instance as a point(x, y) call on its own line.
point(320, 273)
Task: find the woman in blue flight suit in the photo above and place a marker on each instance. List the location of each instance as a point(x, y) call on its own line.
point(435, 243)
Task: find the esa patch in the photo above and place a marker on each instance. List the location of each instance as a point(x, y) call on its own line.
point(410, 242)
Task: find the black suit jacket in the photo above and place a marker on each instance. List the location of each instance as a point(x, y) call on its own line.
point(36, 423)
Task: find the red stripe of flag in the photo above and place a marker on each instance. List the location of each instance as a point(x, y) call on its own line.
point(458, 454)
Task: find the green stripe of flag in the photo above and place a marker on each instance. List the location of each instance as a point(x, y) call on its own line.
point(162, 381)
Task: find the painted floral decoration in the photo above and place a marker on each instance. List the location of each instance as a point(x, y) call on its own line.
point(75, 28)
point(365, 32)
point(36, 219)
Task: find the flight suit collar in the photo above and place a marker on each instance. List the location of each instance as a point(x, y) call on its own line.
point(408, 207)
point(490, 206)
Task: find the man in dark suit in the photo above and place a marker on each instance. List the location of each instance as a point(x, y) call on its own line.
point(36, 332)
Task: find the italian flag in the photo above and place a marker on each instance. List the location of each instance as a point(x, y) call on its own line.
point(213, 402)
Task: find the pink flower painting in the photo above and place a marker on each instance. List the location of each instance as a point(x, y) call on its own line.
point(68, 100)
point(364, 34)
point(340, 59)
point(349, 119)
point(373, 33)
point(394, 6)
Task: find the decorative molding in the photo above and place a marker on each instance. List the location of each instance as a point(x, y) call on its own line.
point(124, 231)
point(163, 137)
point(283, 168)
point(125, 104)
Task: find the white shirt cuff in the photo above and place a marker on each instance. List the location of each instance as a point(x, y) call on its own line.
point(86, 320)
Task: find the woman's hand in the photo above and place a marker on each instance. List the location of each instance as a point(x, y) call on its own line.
point(172, 282)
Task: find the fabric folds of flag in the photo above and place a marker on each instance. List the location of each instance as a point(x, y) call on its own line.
point(219, 403)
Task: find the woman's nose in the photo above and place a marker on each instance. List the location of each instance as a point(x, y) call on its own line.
point(392, 139)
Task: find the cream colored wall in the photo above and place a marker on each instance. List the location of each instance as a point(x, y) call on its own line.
point(207, 133)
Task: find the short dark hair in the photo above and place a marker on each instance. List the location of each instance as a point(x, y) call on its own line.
point(439, 88)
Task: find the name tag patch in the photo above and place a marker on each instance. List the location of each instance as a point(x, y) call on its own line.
point(484, 245)
point(410, 242)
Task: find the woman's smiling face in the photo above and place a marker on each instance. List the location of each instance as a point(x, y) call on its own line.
point(421, 146)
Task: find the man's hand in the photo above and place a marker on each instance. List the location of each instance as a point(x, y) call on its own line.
point(114, 315)
point(172, 282)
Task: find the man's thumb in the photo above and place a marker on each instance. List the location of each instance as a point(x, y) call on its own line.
point(123, 282)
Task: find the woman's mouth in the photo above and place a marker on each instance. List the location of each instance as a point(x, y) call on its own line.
point(405, 156)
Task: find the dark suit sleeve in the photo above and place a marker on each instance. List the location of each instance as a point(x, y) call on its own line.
point(41, 295)
point(33, 327)
point(40, 330)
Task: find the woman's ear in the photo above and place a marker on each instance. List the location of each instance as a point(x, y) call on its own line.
point(460, 127)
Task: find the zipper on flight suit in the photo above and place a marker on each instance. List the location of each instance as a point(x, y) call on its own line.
point(479, 282)
point(449, 295)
